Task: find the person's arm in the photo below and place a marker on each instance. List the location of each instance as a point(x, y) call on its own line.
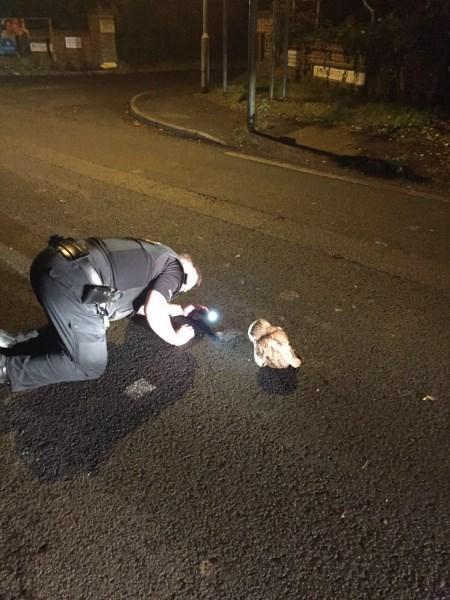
point(175, 310)
point(178, 310)
point(157, 312)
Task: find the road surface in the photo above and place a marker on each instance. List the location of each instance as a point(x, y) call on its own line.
point(188, 473)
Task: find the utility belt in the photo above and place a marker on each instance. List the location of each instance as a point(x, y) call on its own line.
point(94, 292)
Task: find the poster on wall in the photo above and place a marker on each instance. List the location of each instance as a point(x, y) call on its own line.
point(73, 42)
point(14, 37)
point(20, 37)
point(339, 75)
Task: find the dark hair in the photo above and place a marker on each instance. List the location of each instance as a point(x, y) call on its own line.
point(188, 257)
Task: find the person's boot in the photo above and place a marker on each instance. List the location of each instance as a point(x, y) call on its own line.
point(3, 371)
point(7, 339)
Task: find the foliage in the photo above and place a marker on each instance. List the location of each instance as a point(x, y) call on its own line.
point(314, 101)
point(407, 49)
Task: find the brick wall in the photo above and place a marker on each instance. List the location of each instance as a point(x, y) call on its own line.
point(102, 30)
point(72, 58)
point(318, 53)
point(71, 49)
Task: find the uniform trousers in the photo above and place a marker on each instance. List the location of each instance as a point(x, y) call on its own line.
point(74, 342)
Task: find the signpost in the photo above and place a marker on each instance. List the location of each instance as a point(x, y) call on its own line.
point(205, 50)
point(286, 46)
point(251, 100)
point(274, 47)
point(225, 45)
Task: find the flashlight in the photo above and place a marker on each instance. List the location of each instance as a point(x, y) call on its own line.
point(212, 316)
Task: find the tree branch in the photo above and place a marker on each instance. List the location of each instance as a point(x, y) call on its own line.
point(371, 10)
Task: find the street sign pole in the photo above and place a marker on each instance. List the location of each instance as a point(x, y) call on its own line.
point(225, 46)
point(205, 50)
point(286, 47)
point(251, 100)
point(274, 47)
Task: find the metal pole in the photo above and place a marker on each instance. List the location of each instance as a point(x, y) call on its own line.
point(274, 47)
point(317, 13)
point(225, 46)
point(252, 27)
point(286, 47)
point(205, 49)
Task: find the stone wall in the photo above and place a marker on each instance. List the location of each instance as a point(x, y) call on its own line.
point(93, 48)
point(72, 50)
point(69, 50)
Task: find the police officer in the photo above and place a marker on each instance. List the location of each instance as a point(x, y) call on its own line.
point(84, 284)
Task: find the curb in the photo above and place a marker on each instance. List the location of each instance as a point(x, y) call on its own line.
point(202, 136)
point(195, 134)
point(51, 74)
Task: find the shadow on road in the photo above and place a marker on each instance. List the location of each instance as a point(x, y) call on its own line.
point(374, 167)
point(278, 381)
point(64, 430)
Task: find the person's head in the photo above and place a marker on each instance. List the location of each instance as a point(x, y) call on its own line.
point(193, 275)
point(8, 25)
point(18, 26)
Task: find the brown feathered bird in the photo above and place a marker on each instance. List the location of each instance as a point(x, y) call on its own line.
point(271, 346)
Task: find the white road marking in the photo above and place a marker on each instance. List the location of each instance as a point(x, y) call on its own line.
point(139, 388)
point(375, 185)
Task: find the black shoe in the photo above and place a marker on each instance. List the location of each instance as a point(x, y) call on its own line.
point(6, 339)
point(3, 371)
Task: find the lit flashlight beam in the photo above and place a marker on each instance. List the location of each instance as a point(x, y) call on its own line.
point(212, 316)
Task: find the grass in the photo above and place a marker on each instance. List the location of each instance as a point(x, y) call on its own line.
point(315, 102)
point(405, 140)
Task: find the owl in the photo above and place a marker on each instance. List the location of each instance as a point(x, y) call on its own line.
point(271, 346)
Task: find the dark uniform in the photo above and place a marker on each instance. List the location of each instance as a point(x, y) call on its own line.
point(82, 285)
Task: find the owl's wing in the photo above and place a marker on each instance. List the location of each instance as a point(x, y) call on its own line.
point(278, 353)
point(259, 355)
point(271, 348)
point(294, 358)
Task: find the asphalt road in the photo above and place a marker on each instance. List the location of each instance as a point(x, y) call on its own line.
point(188, 473)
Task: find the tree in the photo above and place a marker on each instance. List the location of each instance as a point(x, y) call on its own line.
point(406, 45)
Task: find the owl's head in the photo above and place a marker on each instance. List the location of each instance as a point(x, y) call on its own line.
point(258, 329)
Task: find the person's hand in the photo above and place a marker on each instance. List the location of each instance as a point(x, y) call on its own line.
point(185, 334)
point(191, 310)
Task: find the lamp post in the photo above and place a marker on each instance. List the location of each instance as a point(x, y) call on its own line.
point(205, 50)
point(251, 100)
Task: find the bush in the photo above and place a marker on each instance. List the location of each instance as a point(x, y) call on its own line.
point(407, 50)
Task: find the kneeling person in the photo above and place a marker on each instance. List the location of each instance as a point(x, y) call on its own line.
point(82, 285)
